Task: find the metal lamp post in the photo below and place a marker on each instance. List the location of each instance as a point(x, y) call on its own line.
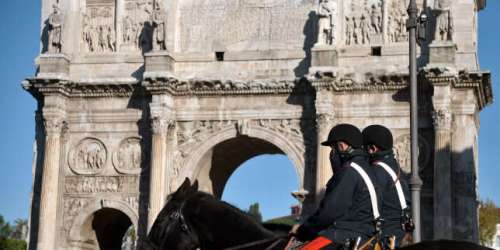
point(415, 181)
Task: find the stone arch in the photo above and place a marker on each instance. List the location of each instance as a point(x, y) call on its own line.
point(81, 231)
point(192, 166)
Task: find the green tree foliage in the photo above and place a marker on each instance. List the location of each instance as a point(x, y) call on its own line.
point(7, 242)
point(489, 216)
point(19, 229)
point(254, 211)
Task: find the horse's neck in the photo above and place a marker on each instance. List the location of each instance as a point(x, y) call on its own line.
point(224, 226)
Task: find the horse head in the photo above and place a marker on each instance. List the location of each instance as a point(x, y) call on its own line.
point(171, 230)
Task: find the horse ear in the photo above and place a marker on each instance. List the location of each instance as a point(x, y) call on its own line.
point(194, 187)
point(183, 189)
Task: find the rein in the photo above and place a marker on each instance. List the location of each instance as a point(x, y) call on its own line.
point(275, 241)
point(178, 215)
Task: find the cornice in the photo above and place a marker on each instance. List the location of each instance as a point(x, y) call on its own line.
point(43, 87)
point(214, 87)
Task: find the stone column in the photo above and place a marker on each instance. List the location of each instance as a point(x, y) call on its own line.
point(442, 174)
point(50, 180)
point(323, 166)
point(159, 126)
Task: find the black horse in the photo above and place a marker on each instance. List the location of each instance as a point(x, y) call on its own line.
point(196, 220)
point(192, 219)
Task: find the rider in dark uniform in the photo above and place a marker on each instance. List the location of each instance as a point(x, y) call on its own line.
point(378, 142)
point(345, 212)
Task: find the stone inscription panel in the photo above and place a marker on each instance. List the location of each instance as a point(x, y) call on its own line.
point(208, 25)
point(101, 184)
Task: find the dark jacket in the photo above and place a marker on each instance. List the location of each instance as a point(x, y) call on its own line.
point(391, 207)
point(346, 204)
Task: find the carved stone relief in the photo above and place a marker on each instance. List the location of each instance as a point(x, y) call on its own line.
point(396, 21)
point(132, 201)
point(442, 118)
point(101, 184)
point(191, 134)
point(72, 207)
point(128, 158)
point(243, 25)
point(98, 26)
point(363, 22)
point(88, 156)
point(137, 26)
point(402, 151)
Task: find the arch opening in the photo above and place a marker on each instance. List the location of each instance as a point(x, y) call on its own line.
point(250, 160)
point(266, 180)
point(110, 227)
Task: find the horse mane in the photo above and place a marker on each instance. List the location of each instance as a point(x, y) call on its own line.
point(231, 213)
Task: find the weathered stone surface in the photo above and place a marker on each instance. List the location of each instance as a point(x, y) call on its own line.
point(139, 94)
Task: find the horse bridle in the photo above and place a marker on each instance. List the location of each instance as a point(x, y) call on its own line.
point(178, 216)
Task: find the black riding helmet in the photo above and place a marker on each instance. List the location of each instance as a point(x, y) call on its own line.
point(347, 133)
point(379, 136)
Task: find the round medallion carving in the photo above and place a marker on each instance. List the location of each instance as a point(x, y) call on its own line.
point(127, 159)
point(402, 151)
point(88, 157)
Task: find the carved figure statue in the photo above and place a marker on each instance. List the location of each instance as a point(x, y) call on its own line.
point(87, 33)
point(365, 30)
point(327, 12)
point(102, 38)
point(348, 31)
point(390, 29)
point(55, 30)
point(159, 20)
point(444, 21)
point(356, 31)
point(376, 18)
point(128, 30)
point(111, 38)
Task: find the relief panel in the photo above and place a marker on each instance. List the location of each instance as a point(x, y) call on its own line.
point(98, 26)
point(88, 157)
point(128, 157)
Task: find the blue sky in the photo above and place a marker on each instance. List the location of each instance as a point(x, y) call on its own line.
point(19, 45)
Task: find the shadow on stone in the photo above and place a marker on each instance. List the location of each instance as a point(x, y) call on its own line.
point(304, 95)
point(310, 32)
point(140, 100)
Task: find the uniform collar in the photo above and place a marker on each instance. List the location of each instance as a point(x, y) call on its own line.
point(382, 155)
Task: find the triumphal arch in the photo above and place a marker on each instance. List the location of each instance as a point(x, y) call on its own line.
point(135, 95)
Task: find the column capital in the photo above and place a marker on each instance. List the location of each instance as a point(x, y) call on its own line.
point(161, 125)
point(442, 118)
point(323, 120)
point(54, 125)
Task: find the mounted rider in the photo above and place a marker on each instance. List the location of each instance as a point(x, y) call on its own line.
point(378, 142)
point(349, 205)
